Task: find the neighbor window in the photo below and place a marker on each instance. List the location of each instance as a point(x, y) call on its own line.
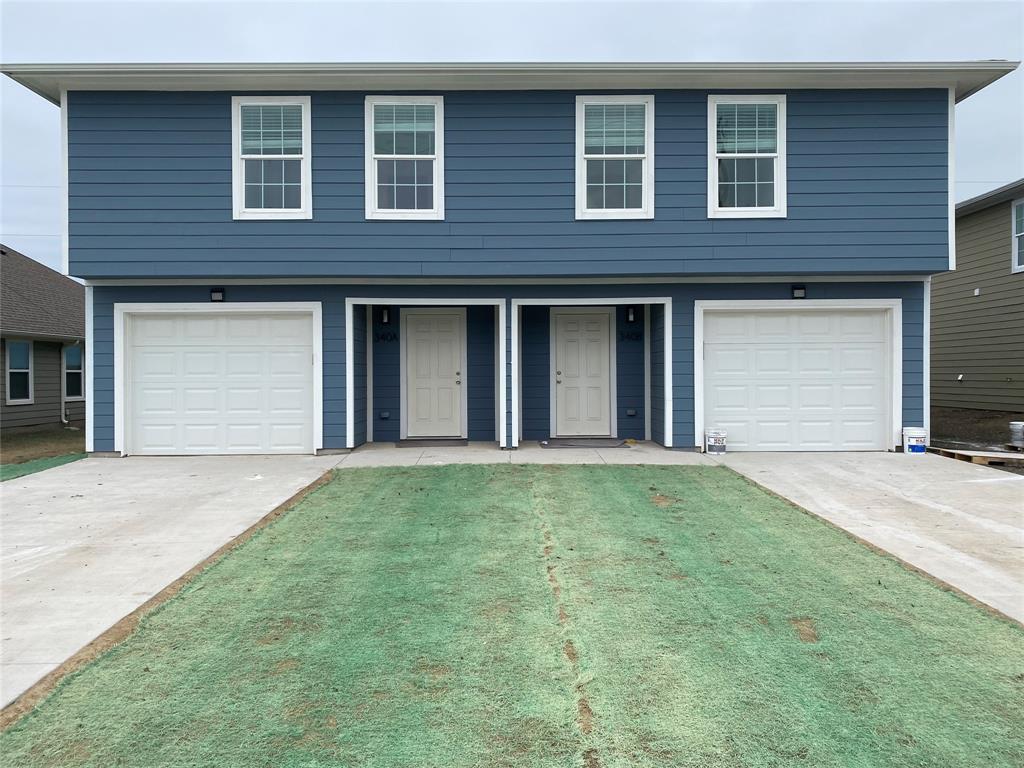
point(614, 157)
point(271, 140)
point(74, 385)
point(404, 157)
point(746, 156)
point(1018, 236)
point(19, 372)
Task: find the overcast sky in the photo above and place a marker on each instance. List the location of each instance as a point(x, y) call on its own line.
point(990, 137)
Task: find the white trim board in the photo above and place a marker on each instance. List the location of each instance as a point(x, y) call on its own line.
point(600, 301)
point(350, 380)
point(951, 179)
point(613, 399)
point(926, 352)
point(65, 231)
point(403, 348)
point(90, 423)
point(122, 312)
point(894, 308)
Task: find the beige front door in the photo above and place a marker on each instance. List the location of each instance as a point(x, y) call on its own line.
point(434, 367)
point(582, 372)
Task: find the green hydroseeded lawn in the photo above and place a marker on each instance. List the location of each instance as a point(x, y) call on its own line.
point(12, 471)
point(420, 617)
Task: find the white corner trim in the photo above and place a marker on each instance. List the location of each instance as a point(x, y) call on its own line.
point(951, 174)
point(647, 211)
point(502, 372)
point(369, 373)
point(90, 423)
point(778, 211)
point(666, 301)
point(240, 212)
point(894, 308)
point(350, 384)
point(65, 231)
point(926, 383)
point(30, 400)
point(374, 213)
point(124, 311)
point(647, 372)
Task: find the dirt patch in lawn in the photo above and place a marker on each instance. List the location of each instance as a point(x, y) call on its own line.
point(805, 629)
point(19, 447)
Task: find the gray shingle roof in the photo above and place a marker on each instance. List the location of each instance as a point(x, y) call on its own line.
point(37, 301)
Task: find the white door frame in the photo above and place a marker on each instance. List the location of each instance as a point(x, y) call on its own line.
point(123, 312)
point(350, 380)
point(894, 314)
point(601, 301)
point(403, 329)
point(613, 400)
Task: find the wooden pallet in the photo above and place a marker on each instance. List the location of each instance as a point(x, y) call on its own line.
point(981, 457)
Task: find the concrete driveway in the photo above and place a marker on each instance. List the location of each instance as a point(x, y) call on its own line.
point(85, 544)
point(960, 522)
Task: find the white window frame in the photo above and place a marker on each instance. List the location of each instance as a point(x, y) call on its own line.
point(1016, 260)
point(645, 212)
point(778, 211)
point(238, 167)
point(64, 371)
point(31, 372)
point(390, 214)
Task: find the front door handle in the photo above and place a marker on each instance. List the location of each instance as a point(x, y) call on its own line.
point(558, 381)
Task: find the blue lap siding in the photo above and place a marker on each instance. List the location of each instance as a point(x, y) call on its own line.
point(481, 348)
point(150, 193)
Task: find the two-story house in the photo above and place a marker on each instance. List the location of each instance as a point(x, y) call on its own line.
point(294, 258)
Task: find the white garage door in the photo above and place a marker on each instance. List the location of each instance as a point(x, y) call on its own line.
point(803, 380)
point(220, 383)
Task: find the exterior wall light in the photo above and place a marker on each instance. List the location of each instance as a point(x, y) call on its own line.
point(799, 292)
point(216, 294)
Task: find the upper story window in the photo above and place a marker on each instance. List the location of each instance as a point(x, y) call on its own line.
point(614, 157)
point(19, 372)
point(1018, 236)
point(404, 157)
point(74, 369)
point(271, 175)
point(746, 156)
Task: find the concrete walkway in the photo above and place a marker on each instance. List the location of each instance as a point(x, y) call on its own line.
point(85, 544)
point(960, 522)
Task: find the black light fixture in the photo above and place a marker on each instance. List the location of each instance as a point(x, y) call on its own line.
point(385, 317)
point(799, 292)
point(216, 294)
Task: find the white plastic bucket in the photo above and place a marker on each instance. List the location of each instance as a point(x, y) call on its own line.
point(714, 440)
point(915, 440)
point(1017, 432)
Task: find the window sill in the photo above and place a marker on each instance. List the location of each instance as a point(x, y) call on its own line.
point(21, 402)
point(74, 399)
point(272, 215)
point(746, 213)
point(405, 215)
point(622, 215)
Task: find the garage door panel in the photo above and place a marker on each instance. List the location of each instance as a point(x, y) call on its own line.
point(220, 384)
point(798, 379)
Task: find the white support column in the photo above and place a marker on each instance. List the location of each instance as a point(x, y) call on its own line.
point(90, 422)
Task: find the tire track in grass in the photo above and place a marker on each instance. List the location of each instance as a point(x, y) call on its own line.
point(584, 712)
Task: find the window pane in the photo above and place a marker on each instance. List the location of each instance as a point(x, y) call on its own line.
point(292, 196)
point(1019, 229)
point(765, 169)
point(595, 172)
point(403, 129)
point(273, 171)
point(614, 171)
point(745, 128)
point(405, 171)
point(765, 195)
point(614, 129)
point(271, 129)
point(73, 384)
point(424, 197)
point(385, 197)
point(595, 196)
point(73, 357)
point(273, 197)
point(253, 171)
point(405, 198)
point(614, 197)
point(424, 171)
point(745, 169)
point(386, 171)
point(18, 355)
point(17, 383)
point(253, 196)
point(746, 195)
point(634, 171)
point(634, 196)
point(1020, 250)
point(292, 171)
point(726, 195)
point(727, 170)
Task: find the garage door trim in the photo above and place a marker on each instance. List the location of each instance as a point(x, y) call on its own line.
point(123, 312)
point(892, 307)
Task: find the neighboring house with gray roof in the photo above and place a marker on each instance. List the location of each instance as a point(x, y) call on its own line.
point(42, 334)
point(977, 349)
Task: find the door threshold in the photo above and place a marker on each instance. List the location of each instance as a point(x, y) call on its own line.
point(432, 442)
point(584, 442)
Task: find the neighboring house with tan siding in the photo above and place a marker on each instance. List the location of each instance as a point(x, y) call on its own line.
point(977, 311)
point(42, 350)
